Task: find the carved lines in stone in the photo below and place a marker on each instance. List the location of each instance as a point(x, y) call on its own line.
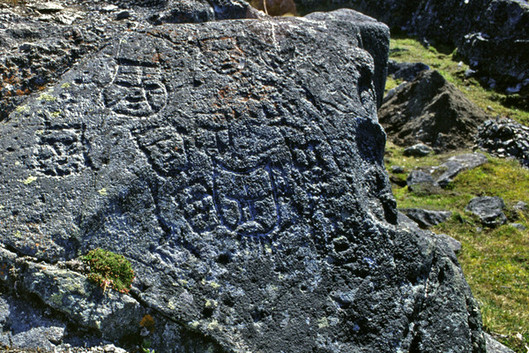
point(245, 201)
point(136, 90)
point(59, 151)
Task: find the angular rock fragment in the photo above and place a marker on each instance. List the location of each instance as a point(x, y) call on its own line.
point(418, 150)
point(457, 164)
point(426, 218)
point(488, 209)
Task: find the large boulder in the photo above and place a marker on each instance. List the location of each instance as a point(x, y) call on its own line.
point(239, 166)
point(433, 111)
point(492, 35)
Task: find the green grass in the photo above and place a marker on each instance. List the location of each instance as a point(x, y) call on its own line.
point(495, 261)
point(445, 61)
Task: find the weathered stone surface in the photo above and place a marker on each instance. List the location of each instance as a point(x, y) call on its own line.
point(37, 48)
point(239, 166)
point(454, 244)
point(494, 346)
point(447, 171)
point(405, 71)
point(426, 218)
point(422, 181)
point(488, 209)
point(418, 150)
point(432, 111)
point(492, 35)
point(505, 138)
point(371, 34)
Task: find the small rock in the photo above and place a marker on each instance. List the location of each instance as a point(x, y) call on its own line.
point(518, 226)
point(455, 165)
point(470, 73)
point(488, 209)
point(123, 15)
point(406, 71)
point(520, 206)
point(426, 218)
point(397, 169)
point(48, 7)
point(418, 150)
point(494, 346)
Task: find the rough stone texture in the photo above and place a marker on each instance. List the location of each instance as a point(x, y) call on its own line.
point(418, 150)
point(494, 346)
point(405, 71)
point(454, 244)
point(372, 36)
point(432, 111)
point(426, 218)
point(492, 35)
point(488, 209)
point(505, 138)
point(37, 47)
point(422, 181)
point(447, 171)
point(239, 166)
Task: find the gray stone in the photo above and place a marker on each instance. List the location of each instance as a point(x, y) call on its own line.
point(518, 226)
point(494, 346)
point(397, 169)
point(505, 138)
point(426, 218)
point(454, 244)
point(488, 209)
point(457, 164)
point(239, 166)
point(418, 150)
point(421, 181)
point(432, 111)
point(405, 71)
point(521, 206)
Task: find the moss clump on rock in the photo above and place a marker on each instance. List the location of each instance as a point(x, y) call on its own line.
point(108, 269)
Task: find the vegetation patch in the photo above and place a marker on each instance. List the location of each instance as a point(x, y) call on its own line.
point(495, 260)
point(107, 269)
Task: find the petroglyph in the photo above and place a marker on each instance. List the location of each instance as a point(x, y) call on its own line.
point(136, 90)
point(164, 148)
point(245, 201)
point(59, 151)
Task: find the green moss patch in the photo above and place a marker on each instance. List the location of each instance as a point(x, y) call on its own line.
point(107, 269)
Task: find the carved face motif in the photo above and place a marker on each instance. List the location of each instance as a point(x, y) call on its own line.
point(136, 91)
point(246, 201)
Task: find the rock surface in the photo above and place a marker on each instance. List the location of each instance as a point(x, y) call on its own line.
point(432, 111)
point(488, 209)
point(492, 35)
point(405, 71)
point(505, 138)
point(418, 150)
point(426, 218)
point(38, 46)
point(239, 166)
point(494, 346)
point(447, 171)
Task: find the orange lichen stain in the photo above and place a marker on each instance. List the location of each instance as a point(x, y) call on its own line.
point(148, 322)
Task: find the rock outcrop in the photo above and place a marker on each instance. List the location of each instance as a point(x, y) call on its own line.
point(239, 166)
point(492, 35)
point(432, 111)
point(505, 138)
